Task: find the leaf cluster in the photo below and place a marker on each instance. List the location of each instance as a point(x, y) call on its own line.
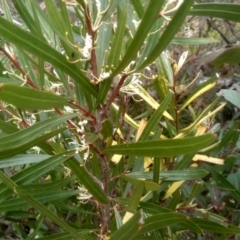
point(96, 138)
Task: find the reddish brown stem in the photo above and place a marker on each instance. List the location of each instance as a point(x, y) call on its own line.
point(114, 94)
point(16, 64)
point(91, 32)
point(88, 114)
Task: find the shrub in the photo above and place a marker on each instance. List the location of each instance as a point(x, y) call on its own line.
point(93, 140)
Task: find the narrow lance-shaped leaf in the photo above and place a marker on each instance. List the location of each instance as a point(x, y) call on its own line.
point(28, 98)
point(14, 140)
point(229, 12)
point(34, 171)
point(202, 88)
point(137, 192)
point(41, 49)
point(169, 33)
point(41, 208)
point(162, 148)
point(172, 175)
point(162, 220)
point(130, 228)
point(155, 118)
point(149, 17)
point(91, 184)
point(38, 141)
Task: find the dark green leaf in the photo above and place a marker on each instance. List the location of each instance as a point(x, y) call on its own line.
point(27, 98)
point(162, 148)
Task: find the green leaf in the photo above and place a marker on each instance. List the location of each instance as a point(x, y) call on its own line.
point(58, 20)
point(192, 41)
point(198, 91)
point(161, 220)
point(117, 42)
point(118, 218)
point(19, 203)
point(91, 183)
point(172, 175)
point(169, 33)
point(149, 186)
point(137, 192)
point(34, 171)
point(32, 189)
point(23, 159)
point(138, 7)
point(43, 50)
point(232, 96)
point(229, 12)
point(223, 182)
point(197, 186)
point(155, 118)
point(162, 148)
point(25, 15)
point(41, 208)
point(130, 229)
point(148, 19)
point(38, 141)
point(215, 227)
point(107, 129)
point(15, 140)
point(66, 236)
point(156, 209)
point(28, 98)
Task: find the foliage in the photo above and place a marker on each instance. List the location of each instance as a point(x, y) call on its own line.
point(101, 137)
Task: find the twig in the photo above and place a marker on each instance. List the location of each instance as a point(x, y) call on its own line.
point(91, 32)
point(114, 94)
point(16, 64)
point(213, 25)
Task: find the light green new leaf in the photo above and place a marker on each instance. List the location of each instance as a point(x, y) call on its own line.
point(15, 140)
point(43, 50)
point(229, 12)
point(162, 220)
point(162, 148)
point(28, 98)
point(130, 229)
point(169, 33)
